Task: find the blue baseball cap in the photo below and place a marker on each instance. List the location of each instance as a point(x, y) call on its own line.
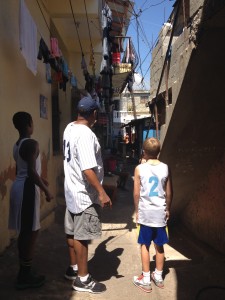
point(87, 105)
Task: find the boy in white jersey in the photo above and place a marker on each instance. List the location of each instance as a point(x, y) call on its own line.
point(152, 199)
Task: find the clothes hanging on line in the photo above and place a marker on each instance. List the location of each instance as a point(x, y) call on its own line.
point(28, 38)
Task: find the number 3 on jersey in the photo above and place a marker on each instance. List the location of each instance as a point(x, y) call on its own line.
point(154, 180)
point(66, 151)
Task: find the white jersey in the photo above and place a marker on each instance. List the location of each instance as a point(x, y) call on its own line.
point(81, 152)
point(152, 202)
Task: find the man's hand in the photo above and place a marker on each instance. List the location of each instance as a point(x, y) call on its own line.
point(105, 200)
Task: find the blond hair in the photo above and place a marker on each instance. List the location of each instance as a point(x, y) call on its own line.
point(151, 147)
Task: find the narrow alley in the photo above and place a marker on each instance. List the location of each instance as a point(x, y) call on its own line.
point(192, 270)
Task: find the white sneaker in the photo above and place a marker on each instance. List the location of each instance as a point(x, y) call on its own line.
point(139, 282)
point(158, 282)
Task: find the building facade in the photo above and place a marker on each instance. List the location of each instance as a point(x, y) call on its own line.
point(187, 75)
point(51, 52)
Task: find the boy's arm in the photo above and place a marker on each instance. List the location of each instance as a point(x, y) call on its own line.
point(30, 153)
point(136, 192)
point(169, 195)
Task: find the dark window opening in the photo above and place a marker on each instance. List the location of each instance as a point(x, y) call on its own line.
point(55, 119)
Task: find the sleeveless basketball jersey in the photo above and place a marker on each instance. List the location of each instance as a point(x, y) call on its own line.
point(152, 203)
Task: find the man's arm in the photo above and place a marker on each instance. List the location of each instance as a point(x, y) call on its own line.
point(93, 180)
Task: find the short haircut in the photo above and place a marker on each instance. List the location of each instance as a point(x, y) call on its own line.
point(152, 147)
point(21, 120)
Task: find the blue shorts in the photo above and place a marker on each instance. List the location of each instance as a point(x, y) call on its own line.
point(156, 234)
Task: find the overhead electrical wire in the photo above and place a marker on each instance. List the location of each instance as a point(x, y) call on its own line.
point(155, 109)
point(92, 49)
point(152, 47)
point(156, 52)
point(141, 31)
point(138, 36)
point(44, 18)
point(76, 26)
point(154, 5)
point(138, 44)
point(144, 34)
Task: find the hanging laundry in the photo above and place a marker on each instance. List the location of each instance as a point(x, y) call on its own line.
point(130, 82)
point(48, 73)
point(55, 47)
point(106, 27)
point(65, 68)
point(92, 60)
point(130, 53)
point(28, 38)
point(83, 64)
point(58, 77)
point(73, 81)
point(89, 82)
point(44, 53)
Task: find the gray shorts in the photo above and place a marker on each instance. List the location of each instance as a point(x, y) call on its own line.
point(85, 225)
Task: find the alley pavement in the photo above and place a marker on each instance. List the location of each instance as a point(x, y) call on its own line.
point(192, 270)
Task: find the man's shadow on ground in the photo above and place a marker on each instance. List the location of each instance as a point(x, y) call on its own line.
point(104, 264)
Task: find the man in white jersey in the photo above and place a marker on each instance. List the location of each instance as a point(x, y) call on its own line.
point(152, 199)
point(84, 194)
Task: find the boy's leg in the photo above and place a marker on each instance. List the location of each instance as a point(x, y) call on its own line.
point(160, 257)
point(143, 281)
point(145, 258)
point(157, 274)
point(26, 245)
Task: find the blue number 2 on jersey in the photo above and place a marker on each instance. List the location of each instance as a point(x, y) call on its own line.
point(154, 180)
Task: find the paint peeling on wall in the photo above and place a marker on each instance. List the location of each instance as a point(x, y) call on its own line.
point(9, 173)
point(44, 166)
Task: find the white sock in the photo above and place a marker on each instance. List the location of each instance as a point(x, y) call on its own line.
point(158, 274)
point(74, 267)
point(84, 278)
point(146, 277)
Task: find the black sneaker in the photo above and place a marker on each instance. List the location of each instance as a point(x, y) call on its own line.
point(90, 285)
point(70, 274)
point(29, 281)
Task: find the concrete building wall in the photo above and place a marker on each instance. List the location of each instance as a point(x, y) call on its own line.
point(195, 6)
point(141, 98)
point(191, 137)
point(20, 90)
